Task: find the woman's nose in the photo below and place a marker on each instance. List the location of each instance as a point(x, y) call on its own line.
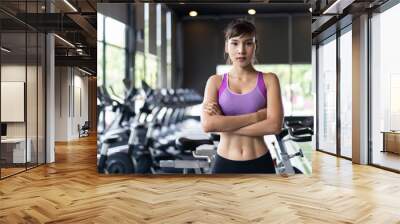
point(241, 48)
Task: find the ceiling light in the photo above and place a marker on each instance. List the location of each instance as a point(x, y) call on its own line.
point(84, 71)
point(338, 6)
point(43, 7)
point(192, 13)
point(5, 50)
point(251, 11)
point(65, 41)
point(70, 5)
point(310, 9)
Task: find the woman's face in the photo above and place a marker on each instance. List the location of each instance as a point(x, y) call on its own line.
point(241, 49)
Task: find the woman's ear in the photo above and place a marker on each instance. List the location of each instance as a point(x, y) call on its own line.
point(255, 61)
point(226, 47)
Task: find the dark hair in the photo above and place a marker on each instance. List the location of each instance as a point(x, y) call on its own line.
point(238, 28)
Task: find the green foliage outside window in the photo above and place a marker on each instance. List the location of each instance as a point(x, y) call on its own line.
point(146, 72)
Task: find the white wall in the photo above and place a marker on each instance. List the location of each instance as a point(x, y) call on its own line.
point(11, 73)
point(61, 103)
point(33, 126)
point(81, 82)
point(71, 94)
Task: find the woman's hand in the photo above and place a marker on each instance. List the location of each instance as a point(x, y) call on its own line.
point(212, 108)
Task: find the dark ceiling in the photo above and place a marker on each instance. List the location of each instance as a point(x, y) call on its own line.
point(77, 27)
point(238, 8)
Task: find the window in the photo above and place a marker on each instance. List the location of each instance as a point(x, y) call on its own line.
point(100, 62)
point(22, 76)
point(169, 52)
point(112, 72)
point(115, 69)
point(327, 96)
point(139, 68)
point(111, 59)
point(146, 64)
point(115, 34)
point(385, 86)
point(346, 94)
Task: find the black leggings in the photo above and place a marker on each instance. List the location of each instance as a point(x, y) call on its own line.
point(263, 164)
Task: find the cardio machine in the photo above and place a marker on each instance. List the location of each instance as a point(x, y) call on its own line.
point(140, 143)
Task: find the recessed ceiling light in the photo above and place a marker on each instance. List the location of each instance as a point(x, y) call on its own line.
point(193, 13)
point(5, 50)
point(251, 11)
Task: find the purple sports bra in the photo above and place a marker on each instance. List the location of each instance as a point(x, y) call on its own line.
point(232, 103)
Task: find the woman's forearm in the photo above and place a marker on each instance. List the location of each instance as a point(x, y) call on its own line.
point(261, 128)
point(220, 123)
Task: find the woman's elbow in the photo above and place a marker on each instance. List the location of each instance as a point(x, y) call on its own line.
point(271, 131)
point(207, 127)
point(277, 128)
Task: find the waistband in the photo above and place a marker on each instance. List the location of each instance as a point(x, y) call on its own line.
point(266, 155)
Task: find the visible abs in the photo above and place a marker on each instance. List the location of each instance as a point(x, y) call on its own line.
point(239, 147)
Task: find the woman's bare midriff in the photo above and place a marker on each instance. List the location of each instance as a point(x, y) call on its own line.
point(239, 147)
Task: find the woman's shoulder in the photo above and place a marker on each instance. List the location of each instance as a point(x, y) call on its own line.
point(269, 75)
point(215, 79)
point(270, 78)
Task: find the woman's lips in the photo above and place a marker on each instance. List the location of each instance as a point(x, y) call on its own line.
point(241, 58)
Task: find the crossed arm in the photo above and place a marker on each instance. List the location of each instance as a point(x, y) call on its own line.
point(263, 122)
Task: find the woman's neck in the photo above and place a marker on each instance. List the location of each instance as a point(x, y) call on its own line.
point(242, 71)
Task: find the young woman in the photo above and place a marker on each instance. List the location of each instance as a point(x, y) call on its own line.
point(242, 105)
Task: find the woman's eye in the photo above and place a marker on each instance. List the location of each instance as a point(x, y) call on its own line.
point(249, 43)
point(234, 44)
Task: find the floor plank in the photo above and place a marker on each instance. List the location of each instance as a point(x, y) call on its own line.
point(71, 191)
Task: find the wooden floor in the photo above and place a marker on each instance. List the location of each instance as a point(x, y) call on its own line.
point(10, 171)
point(71, 191)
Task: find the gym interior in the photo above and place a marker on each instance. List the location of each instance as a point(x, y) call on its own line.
point(101, 103)
point(171, 139)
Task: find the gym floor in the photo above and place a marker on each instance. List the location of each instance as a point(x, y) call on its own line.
point(71, 191)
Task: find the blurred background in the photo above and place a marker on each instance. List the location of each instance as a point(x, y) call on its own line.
point(172, 46)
